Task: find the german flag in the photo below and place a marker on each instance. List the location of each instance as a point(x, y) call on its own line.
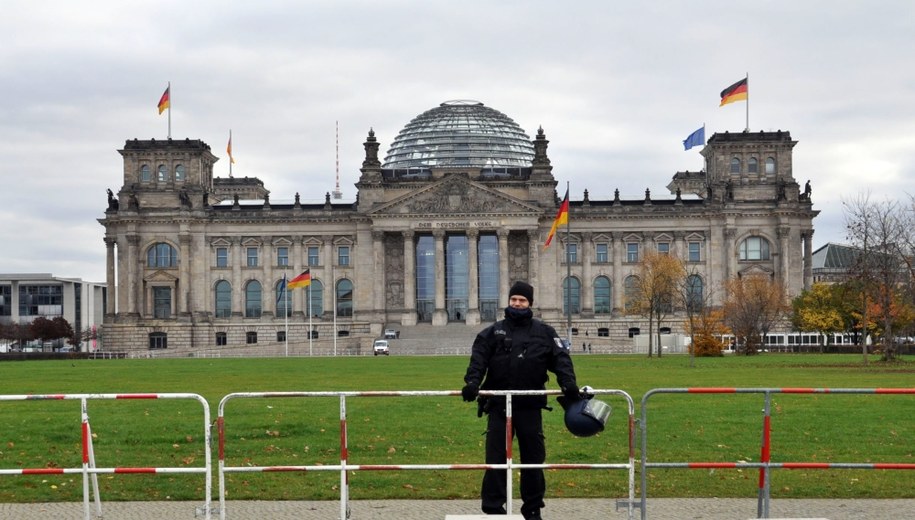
point(164, 101)
point(736, 92)
point(302, 280)
point(562, 217)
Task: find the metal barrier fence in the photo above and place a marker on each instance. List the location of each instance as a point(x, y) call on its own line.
point(765, 464)
point(345, 466)
point(89, 469)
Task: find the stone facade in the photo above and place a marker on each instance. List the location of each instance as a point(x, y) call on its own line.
point(177, 238)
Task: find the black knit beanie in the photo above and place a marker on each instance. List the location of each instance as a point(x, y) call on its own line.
point(522, 289)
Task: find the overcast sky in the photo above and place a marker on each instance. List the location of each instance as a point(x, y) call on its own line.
point(615, 85)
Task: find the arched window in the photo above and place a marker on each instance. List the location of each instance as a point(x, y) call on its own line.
point(144, 173)
point(344, 298)
point(752, 165)
point(602, 295)
point(573, 285)
point(283, 298)
point(163, 173)
point(161, 255)
point(631, 293)
point(735, 165)
point(253, 304)
point(179, 173)
point(695, 299)
point(754, 248)
point(316, 290)
point(223, 299)
point(770, 165)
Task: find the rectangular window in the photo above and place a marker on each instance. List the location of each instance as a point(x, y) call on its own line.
point(603, 253)
point(252, 257)
point(158, 340)
point(572, 253)
point(664, 248)
point(313, 256)
point(694, 252)
point(281, 336)
point(343, 255)
point(6, 300)
point(632, 253)
point(282, 256)
point(222, 257)
point(221, 339)
point(251, 338)
point(162, 302)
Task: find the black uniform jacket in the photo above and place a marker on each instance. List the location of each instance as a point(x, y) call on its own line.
point(516, 355)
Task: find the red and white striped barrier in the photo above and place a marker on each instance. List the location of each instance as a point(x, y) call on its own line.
point(345, 466)
point(88, 468)
point(765, 464)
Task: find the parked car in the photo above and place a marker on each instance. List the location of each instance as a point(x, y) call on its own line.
point(390, 334)
point(380, 347)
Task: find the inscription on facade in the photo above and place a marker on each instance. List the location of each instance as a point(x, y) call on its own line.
point(475, 224)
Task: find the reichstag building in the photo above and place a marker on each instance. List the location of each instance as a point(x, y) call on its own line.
point(458, 209)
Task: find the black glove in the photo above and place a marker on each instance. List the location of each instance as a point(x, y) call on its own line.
point(470, 391)
point(570, 391)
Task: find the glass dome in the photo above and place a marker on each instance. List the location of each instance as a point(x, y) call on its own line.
point(460, 134)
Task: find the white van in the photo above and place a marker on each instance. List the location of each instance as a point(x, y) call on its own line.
point(380, 347)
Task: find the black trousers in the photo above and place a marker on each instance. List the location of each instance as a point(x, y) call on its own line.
point(528, 429)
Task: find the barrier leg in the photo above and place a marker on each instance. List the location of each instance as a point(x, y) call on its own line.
point(762, 503)
point(344, 455)
point(509, 433)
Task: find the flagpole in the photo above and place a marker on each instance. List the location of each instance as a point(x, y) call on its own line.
point(748, 102)
point(310, 326)
point(169, 109)
point(230, 153)
point(334, 292)
point(286, 308)
point(568, 270)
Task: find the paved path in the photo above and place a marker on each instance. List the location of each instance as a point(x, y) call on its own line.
point(557, 509)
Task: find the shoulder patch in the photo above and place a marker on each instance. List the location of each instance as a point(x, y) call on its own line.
point(560, 343)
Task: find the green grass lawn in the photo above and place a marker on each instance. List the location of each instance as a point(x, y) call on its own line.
point(439, 430)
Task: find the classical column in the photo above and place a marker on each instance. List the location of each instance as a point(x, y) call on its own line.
point(808, 259)
point(134, 283)
point(473, 278)
point(298, 301)
point(238, 290)
point(109, 276)
point(503, 266)
point(587, 289)
point(730, 263)
point(200, 281)
point(379, 281)
point(184, 273)
point(266, 267)
point(784, 255)
point(409, 280)
point(618, 288)
point(533, 258)
point(439, 315)
point(329, 272)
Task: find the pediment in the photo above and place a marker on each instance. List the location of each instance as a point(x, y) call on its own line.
point(455, 195)
point(160, 276)
point(756, 270)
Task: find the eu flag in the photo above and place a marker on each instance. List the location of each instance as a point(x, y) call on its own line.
point(696, 138)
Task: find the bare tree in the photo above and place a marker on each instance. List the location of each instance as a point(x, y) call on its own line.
point(879, 230)
point(754, 303)
point(695, 299)
point(659, 278)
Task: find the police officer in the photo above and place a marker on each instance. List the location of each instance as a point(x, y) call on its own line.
point(515, 354)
